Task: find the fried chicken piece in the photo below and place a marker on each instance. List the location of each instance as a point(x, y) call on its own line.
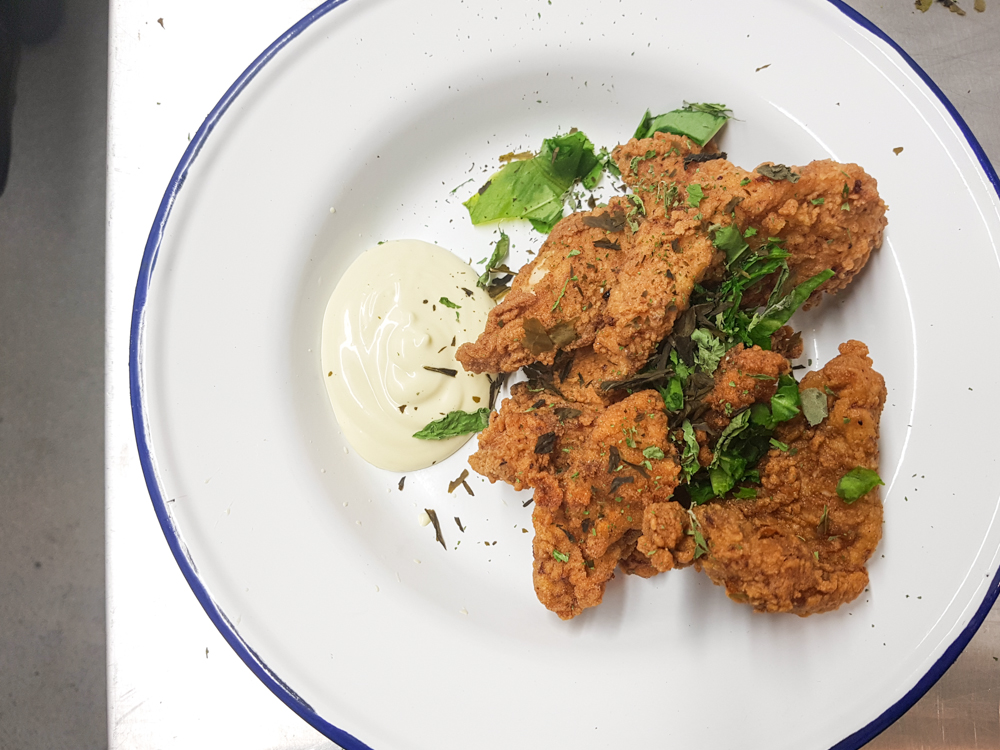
point(566, 285)
point(653, 287)
point(832, 217)
point(592, 481)
point(798, 547)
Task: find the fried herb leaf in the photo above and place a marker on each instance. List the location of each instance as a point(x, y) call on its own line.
point(814, 406)
point(456, 483)
point(536, 339)
point(857, 483)
point(437, 526)
point(690, 159)
point(455, 423)
point(610, 221)
point(442, 370)
point(535, 189)
point(699, 122)
point(545, 443)
point(618, 482)
point(778, 172)
point(564, 412)
point(562, 334)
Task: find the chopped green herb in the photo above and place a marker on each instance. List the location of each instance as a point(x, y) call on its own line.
point(695, 194)
point(560, 556)
point(856, 483)
point(653, 453)
point(455, 423)
point(710, 349)
point(779, 445)
point(744, 182)
point(818, 201)
point(700, 546)
point(448, 303)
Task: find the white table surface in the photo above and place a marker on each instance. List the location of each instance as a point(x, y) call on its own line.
point(173, 681)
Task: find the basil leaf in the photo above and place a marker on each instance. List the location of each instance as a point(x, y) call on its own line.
point(695, 194)
point(856, 483)
point(731, 241)
point(673, 394)
point(785, 401)
point(777, 314)
point(499, 255)
point(534, 189)
point(689, 456)
point(455, 423)
point(814, 406)
point(699, 122)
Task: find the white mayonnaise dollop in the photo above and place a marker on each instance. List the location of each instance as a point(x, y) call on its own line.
point(383, 324)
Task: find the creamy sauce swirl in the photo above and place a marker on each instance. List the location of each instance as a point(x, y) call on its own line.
point(383, 324)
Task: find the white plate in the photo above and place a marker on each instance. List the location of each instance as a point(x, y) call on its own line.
point(306, 558)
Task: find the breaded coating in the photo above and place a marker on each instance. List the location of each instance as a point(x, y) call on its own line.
point(744, 377)
point(593, 471)
point(798, 547)
point(662, 263)
point(567, 283)
point(832, 217)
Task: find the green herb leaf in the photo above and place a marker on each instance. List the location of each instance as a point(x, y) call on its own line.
point(673, 394)
point(700, 546)
point(695, 194)
point(730, 240)
point(560, 556)
point(535, 189)
point(779, 445)
point(455, 423)
point(699, 122)
point(448, 303)
point(745, 493)
point(777, 314)
point(814, 406)
point(710, 350)
point(818, 201)
point(499, 255)
point(689, 456)
point(856, 483)
point(536, 339)
point(785, 401)
point(653, 453)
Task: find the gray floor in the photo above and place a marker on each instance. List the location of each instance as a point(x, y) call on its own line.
point(52, 653)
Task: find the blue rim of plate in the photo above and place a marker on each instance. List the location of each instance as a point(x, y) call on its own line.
point(188, 567)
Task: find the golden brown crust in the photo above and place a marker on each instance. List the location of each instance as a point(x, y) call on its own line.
point(591, 484)
point(798, 547)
